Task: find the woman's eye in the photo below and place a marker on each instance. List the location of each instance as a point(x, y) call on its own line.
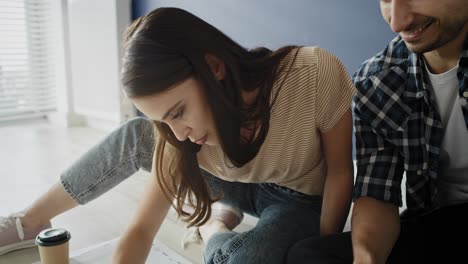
point(178, 114)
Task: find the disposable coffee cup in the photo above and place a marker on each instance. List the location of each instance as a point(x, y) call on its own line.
point(53, 246)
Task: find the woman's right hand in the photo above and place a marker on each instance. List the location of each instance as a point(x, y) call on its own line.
point(135, 244)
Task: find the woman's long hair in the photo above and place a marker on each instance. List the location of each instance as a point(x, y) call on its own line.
point(166, 47)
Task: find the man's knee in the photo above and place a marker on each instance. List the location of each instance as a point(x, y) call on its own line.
point(335, 248)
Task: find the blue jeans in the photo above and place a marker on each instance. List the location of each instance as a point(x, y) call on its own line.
point(285, 216)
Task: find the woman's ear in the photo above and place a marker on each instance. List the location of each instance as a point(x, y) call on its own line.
point(216, 65)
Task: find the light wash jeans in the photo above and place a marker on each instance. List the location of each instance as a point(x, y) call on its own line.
point(285, 216)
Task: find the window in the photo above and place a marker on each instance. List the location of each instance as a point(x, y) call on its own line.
point(26, 59)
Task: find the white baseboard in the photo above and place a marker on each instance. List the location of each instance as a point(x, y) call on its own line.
point(66, 119)
point(113, 116)
point(100, 121)
point(101, 124)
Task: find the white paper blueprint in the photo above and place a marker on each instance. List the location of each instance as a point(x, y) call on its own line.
point(102, 253)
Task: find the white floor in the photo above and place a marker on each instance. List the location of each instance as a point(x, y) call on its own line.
point(33, 155)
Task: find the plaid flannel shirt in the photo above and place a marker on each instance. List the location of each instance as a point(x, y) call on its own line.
point(397, 127)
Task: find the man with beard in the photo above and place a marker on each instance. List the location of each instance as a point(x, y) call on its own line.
point(411, 116)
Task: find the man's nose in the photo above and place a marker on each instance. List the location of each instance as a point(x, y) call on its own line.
point(401, 15)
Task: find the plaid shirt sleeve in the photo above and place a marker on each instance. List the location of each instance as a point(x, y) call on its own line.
point(379, 163)
point(378, 117)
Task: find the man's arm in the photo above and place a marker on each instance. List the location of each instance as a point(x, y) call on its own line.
point(377, 191)
point(337, 148)
point(375, 229)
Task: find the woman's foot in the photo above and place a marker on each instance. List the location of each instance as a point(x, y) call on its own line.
point(15, 234)
point(223, 218)
point(212, 227)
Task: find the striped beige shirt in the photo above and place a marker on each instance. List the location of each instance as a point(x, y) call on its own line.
point(315, 94)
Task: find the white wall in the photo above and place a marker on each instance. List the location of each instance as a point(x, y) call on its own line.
point(95, 31)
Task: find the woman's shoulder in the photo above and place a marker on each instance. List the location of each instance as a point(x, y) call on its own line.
point(309, 56)
point(301, 57)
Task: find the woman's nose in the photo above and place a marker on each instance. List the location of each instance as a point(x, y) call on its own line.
point(181, 132)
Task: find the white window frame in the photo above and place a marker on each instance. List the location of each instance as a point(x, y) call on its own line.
point(27, 79)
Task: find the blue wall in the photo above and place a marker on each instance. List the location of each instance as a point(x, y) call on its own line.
point(353, 30)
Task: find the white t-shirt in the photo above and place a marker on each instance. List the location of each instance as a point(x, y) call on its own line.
point(453, 173)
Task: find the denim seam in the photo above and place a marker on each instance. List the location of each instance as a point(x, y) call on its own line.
point(112, 172)
point(109, 175)
point(142, 135)
point(80, 197)
point(139, 140)
point(103, 179)
point(70, 191)
point(223, 258)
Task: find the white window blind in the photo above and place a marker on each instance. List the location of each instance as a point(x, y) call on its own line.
point(26, 59)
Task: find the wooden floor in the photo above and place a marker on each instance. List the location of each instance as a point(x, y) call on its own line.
point(32, 157)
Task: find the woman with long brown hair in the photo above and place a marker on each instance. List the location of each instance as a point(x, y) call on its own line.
point(227, 131)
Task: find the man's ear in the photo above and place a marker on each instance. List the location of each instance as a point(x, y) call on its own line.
point(216, 65)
